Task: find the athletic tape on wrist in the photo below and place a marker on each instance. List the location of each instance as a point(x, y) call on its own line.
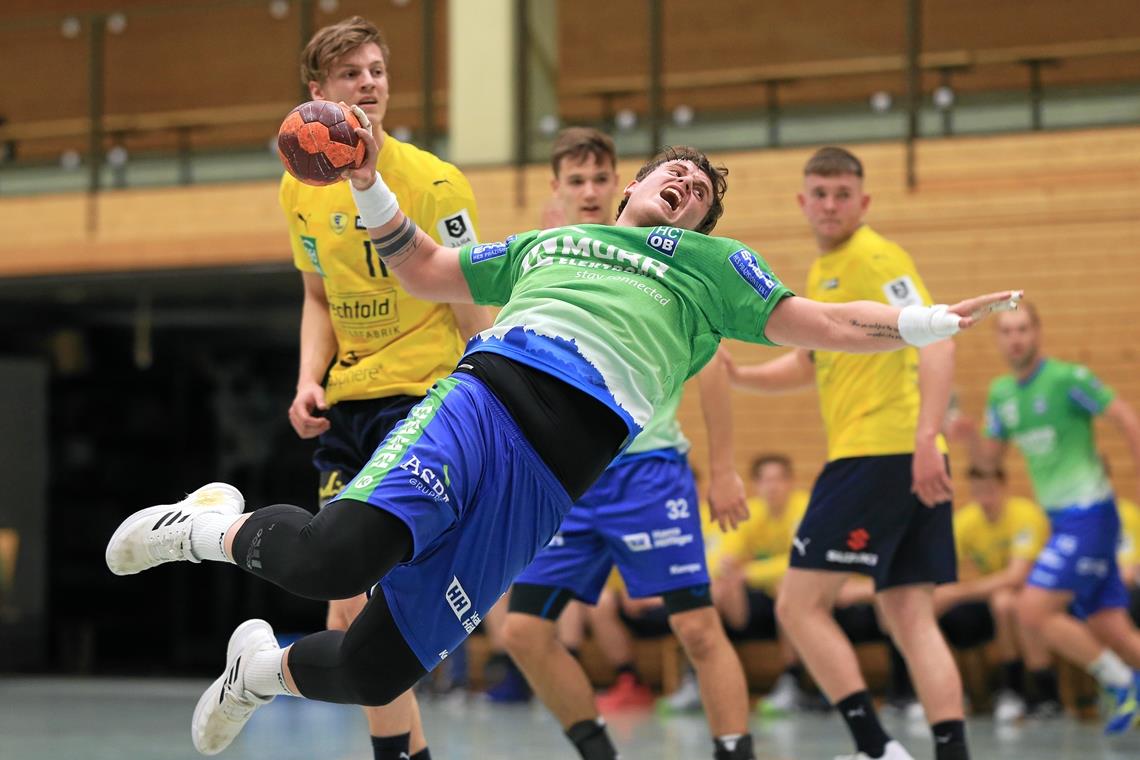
point(923, 325)
point(377, 204)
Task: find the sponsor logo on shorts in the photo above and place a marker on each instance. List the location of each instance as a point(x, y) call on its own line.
point(852, 558)
point(671, 537)
point(457, 598)
point(800, 545)
point(1066, 543)
point(1051, 559)
point(426, 480)
point(1092, 566)
point(638, 542)
point(858, 539)
point(692, 567)
point(1042, 578)
point(745, 264)
point(557, 540)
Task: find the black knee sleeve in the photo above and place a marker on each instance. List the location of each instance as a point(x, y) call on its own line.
point(369, 664)
point(546, 602)
point(339, 553)
point(686, 599)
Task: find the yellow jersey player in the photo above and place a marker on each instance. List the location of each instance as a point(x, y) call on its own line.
point(998, 537)
point(369, 351)
point(751, 562)
point(881, 506)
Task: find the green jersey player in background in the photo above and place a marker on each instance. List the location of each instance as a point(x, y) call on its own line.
point(1047, 407)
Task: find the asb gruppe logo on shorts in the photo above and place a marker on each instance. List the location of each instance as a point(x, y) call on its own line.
point(746, 265)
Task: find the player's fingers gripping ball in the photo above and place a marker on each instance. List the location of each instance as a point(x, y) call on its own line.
point(317, 141)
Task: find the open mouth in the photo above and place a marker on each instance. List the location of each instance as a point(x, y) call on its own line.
point(672, 196)
point(367, 102)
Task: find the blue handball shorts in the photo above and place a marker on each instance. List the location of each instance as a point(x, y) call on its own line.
point(479, 503)
point(354, 428)
point(643, 516)
point(1081, 558)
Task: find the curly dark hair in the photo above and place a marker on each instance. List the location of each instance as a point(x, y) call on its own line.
point(716, 176)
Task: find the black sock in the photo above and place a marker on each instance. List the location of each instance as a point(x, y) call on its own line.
point(591, 740)
point(950, 740)
point(738, 747)
point(1013, 676)
point(1044, 685)
point(390, 747)
point(796, 671)
point(859, 713)
point(423, 754)
point(628, 667)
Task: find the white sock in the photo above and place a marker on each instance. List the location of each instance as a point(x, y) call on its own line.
point(264, 676)
point(208, 536)
point(1110, 670)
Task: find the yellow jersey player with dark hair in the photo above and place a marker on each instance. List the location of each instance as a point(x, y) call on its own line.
point(881, 507)
point(369, 351)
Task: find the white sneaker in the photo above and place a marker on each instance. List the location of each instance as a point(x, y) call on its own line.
point(224, 708)
point(160, 534)
point(893, 751)
point(687, 697)
point(915, 713)
point(1008, 707)
point(785, 695)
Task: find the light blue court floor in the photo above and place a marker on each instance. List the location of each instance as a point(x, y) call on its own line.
point(65, 719)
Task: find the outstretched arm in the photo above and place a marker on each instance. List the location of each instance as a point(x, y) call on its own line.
point(425, 268)
point(865, 327)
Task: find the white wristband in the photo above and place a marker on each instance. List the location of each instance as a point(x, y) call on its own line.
point(923, 325)
point(377, 204)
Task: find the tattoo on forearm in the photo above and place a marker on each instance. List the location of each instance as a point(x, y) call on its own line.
point(877, 329)
point(396, 246)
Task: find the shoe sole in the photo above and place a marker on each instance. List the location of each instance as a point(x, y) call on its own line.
point(131, 522)
point(208, 696)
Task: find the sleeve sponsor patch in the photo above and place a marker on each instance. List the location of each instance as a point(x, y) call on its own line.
point(456, 230)
point(901, 291)
point(487, 251)
point(749, 270)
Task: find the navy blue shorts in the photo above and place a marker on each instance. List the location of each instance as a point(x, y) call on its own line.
point(1081, 558)
point(478, 500)
point(863, 518)
point(356, 427)
point(643, 516)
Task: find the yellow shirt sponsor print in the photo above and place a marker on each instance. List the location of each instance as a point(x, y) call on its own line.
point(1020, 533)
point(388, 342)
point(869, 402)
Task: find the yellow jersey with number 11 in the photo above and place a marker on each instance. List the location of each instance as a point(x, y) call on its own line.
point(388, 343)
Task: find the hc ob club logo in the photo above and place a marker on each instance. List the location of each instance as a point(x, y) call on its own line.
point(664, 239)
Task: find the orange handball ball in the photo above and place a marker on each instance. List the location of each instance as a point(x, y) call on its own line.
point(317, 142)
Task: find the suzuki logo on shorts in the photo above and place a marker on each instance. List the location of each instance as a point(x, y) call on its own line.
point(457, 598)
point(858, 539)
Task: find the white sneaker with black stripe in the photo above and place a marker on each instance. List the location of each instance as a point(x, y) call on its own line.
point(225, 707)
point(161, 534)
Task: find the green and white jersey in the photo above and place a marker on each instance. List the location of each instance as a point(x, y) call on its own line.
point(626, 314)
point(1050, 418)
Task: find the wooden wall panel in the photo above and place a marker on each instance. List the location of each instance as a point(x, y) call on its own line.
point(1054, 213)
